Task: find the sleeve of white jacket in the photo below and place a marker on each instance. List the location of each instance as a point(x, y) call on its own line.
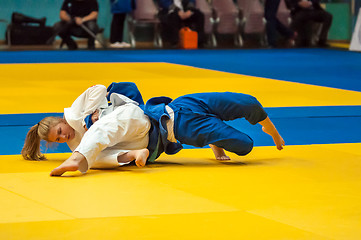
point(90, 100)
point(95, 97)
point(126, 127)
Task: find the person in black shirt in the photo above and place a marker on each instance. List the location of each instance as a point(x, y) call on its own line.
point(73, 14)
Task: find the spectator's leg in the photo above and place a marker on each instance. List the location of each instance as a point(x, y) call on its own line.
point(326, 19)
point(162, 15)
point(196, 22)
point(171, 25)
point(64, 31)
point(270, 12)
point(302, 23)
point(117, 27)
point(93, 27)
point(284, 30)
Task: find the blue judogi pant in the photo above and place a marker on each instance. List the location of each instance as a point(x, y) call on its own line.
point(199, 119)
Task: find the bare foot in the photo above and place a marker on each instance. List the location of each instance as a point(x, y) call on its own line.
point(68, 165)
point(219, 153)
point(141, 157)
point(277, 139)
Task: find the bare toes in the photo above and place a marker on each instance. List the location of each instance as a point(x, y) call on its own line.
point(223, 158)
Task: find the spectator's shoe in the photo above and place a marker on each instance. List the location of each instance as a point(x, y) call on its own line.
point(120, 45)
point(98, 44)
point(116, 45)
point(71, 45)
point(126, 45)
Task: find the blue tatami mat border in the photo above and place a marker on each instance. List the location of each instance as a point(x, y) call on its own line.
point(322, 67)
point(297, 125)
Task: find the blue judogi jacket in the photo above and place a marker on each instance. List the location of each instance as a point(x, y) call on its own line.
point(122, 6)
point(128, 89)
point(158, 142)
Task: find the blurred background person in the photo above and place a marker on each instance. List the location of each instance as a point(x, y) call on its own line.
point(119, 9)
point(175, 14)
point(274, 26)
point(304, 14)
point(75, 14)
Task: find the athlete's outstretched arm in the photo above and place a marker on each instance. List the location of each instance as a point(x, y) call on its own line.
point(75, 162)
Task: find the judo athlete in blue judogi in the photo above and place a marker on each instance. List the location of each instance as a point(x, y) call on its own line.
point(198, 120)
point(194, 119)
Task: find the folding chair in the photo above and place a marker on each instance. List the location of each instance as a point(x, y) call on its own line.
point(7, 33)
point(206, 9)
point(146, 13)
point(284, 14)
point(227, 19)
point(253, 21)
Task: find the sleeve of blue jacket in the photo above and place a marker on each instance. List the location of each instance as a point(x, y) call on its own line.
point(127, 89)
point(122, 6)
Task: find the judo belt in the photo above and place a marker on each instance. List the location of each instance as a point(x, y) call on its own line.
point(154, 145)
point(154, 155)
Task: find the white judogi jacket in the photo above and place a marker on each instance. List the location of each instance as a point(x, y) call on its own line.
point(90, 100)
point(121, 127)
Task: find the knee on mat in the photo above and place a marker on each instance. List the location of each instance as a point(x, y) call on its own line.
point(241, 148)
point(246, 148)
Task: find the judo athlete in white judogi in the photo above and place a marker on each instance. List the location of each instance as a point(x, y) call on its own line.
point(78, 118)
point(94, 100)
point(194, 119)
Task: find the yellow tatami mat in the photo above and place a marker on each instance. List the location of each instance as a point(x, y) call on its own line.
point(302, 192)
point(51, 87)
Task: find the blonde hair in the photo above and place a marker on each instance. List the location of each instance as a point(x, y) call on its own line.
point(40, 131)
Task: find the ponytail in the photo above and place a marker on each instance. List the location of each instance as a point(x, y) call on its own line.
point(40, 131)
point(31, 149)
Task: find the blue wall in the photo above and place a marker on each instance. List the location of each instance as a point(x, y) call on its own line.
point(49, 9)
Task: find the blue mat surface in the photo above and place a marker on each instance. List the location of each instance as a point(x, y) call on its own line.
point(323, 67)
point(297, 125)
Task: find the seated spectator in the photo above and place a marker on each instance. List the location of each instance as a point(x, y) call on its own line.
point(75, 14)
point(175, 14)
point(304, 14)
